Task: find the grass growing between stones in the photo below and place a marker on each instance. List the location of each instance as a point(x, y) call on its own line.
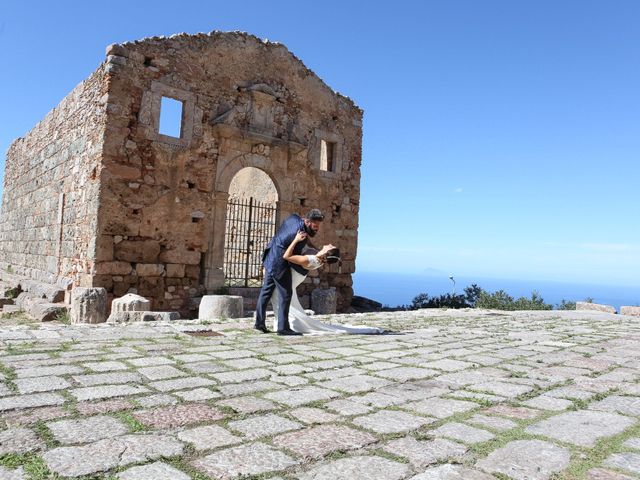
point(133, 424)
point(593, 457)
point(41, 429)
point(33, 466)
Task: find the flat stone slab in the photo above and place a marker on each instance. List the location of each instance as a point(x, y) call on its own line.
point(463, 433)
point(251, 459)
point(520, 413)
point(440, 407)
point(107, 391)
point(602, 474)
point(17, 474)
point(624, 461)
point(423, 453)
point(181, 383)
point(104, 406)
point(316, 442)
point(355, 384)
point(19, 440)
point(582, 428)
point(357, 468)
point(197, 394)
point(248, 404)
point(114, 378)
point(40, 384)
point(404, 374)
point(391, 421)
point(153, 471)
point(526, 460)
point(30, 401)
point(311, 415)
point(161, 372)
point(110, 453)
point(504, 389)
point(545, 402)
point(265, 425)
point(620, 404)
point(178, 415)
point(87, 430)
point(209, 437)
point(452, 472)
point(494, 423)
point(301, 396)
point(47, 371)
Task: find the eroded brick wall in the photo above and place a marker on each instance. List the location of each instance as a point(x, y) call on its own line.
point(50, 199)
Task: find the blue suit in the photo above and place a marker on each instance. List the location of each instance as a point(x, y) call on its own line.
point(278, 272)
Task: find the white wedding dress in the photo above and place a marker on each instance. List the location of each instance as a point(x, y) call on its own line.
point(303, 323)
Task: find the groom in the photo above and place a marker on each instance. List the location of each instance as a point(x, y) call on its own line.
point(278, 270)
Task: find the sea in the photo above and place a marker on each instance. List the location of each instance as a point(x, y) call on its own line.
point(396, 289)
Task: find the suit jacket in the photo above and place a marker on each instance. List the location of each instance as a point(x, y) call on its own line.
point(272, 256)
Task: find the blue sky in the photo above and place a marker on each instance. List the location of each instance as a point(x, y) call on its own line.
point(501, 138)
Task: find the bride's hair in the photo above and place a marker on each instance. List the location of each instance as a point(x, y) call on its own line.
point(333, 256)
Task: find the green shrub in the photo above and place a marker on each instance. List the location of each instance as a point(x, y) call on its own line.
point(566, 305)
point(501, 300)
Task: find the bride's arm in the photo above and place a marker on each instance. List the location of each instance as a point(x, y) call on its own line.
point(301, 260)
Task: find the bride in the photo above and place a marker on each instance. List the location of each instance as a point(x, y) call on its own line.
point(298, 319)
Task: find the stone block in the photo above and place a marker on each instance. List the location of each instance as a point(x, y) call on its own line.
point(175, 270)
point(324, 300)
point(595, 307)
point(149, 269)
point(627, 310)
point(215, 307)
point(113, 268)
point(130, 303)
point(46, 312)
point(187, 257)
point(88, 305)
point(143, 251)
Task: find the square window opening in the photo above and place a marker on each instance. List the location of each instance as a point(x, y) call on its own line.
point(327, 156)
point(171, 116)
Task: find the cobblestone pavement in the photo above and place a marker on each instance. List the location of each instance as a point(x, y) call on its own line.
point(446, 395)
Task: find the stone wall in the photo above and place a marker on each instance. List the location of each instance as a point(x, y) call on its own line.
point(96, 194)
point(247, 103)
point(51, 184)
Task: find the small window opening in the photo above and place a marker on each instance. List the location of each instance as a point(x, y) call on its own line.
point(171, 117)
point(147, 61)
point(195, 219)
point(191, 184)
point(327, 156)
point(302, 201)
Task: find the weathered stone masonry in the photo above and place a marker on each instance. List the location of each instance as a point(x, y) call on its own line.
point(95, 195)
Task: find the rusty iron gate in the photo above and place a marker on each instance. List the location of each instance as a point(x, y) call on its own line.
point(250, 225)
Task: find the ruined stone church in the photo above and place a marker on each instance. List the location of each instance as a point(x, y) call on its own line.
point(166, 172)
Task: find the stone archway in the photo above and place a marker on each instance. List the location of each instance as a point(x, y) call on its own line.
point(251, 219)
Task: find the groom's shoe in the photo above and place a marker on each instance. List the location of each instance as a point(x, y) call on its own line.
point(262, 329)
point(288, 332)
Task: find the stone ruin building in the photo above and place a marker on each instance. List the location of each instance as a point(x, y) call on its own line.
point(106, 192)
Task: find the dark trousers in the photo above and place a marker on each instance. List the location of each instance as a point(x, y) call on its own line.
point(283, 286)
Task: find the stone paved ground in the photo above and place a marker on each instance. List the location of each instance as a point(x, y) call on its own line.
point(448, 395)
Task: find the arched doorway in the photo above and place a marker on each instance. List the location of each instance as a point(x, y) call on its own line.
point(250, 224)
